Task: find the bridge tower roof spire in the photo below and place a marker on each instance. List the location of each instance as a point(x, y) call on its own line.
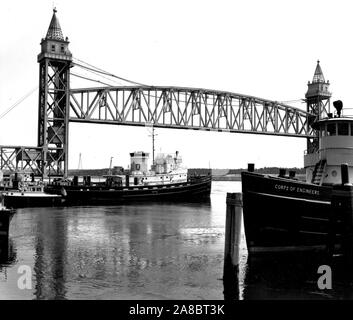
point(318, 75)
point(54, 30)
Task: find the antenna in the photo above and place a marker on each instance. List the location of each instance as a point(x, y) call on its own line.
point(110, 166)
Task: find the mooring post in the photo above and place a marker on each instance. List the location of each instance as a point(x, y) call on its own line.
point(232, 245)
point(233, 228)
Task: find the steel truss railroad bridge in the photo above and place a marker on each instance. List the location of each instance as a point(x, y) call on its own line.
point(141, 105)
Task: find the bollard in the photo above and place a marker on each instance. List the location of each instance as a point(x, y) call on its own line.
point(292, 174)
point(282, 172)
point(232, 246)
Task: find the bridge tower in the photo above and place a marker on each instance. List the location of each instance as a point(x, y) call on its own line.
point(55, 61)
point(318, 102)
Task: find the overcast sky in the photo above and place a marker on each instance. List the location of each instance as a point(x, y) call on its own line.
point(261, 48)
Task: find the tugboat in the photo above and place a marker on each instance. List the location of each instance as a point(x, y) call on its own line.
point(167, 180)
point(283, 214)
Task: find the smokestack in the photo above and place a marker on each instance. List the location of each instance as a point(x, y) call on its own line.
point(338, 106)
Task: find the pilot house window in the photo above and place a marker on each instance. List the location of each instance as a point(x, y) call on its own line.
point(343, 129)
point(331, 129)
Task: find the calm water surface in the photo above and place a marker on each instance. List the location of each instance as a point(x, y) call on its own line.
point(143, 251)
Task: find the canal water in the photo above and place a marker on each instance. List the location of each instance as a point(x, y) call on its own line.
point(137, 251)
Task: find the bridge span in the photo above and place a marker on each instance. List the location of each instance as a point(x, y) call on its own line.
point(187, 108)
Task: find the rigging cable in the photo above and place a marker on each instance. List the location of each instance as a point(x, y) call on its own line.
point(93, 68)
point(100, 75)
point(90, 79)
point(96, 69)
point(18, 102)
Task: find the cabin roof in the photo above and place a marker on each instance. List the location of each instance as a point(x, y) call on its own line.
point(316, 125)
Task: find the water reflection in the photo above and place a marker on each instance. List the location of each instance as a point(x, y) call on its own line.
point(140, 251)
point(287, 277)
point(7, 256)
point(50, 256)
point(147, 251)
point(7, 252)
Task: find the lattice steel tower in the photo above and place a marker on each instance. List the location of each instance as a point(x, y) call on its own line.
point(54, 84)
point(318, 102)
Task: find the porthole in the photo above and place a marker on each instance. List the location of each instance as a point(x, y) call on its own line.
point(334, 173)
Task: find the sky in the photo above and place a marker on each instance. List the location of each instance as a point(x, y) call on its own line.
point(266, 49)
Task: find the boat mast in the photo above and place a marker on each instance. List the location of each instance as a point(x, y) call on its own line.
point(79, 167)
point(153, 145)
point(110, 166)
point(153, 149)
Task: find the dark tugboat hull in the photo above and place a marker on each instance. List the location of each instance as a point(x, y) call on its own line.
point(284, 215)
point(195, 190)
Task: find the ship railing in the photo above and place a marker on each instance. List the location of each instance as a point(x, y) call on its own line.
point(348, 114)
point(336, 148)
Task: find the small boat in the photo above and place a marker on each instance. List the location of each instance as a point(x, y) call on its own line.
point(23, 199)
point(167, 180)
point(30, 194)
point(283, 214)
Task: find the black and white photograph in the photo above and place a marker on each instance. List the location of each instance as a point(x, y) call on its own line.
point(176, 151)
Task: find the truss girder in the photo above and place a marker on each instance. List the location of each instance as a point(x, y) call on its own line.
point(21, 159)
point(187, 108)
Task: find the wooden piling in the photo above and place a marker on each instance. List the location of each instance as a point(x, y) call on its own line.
point(233, 228)
point(232, 246)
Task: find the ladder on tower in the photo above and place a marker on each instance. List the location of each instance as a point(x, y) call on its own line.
point(318, 173)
